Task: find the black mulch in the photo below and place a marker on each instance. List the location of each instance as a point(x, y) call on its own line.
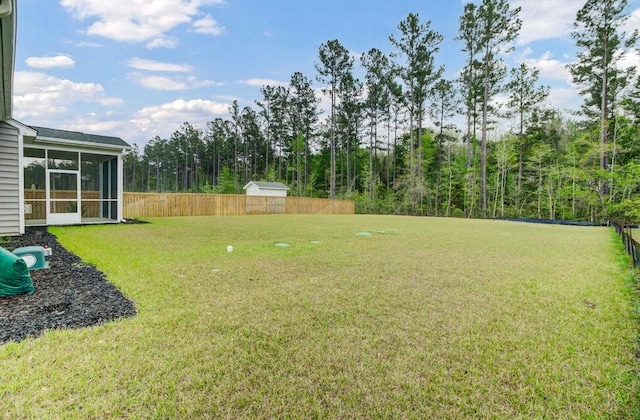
point(70, 294)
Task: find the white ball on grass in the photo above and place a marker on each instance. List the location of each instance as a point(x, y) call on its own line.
point(229, 248)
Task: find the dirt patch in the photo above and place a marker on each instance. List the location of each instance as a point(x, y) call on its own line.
point(70, 294)
point(134, 222)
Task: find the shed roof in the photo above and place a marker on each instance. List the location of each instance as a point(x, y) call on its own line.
point(268, 185)
point(79, 137)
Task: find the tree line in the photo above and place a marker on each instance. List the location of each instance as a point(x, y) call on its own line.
point(389, 141)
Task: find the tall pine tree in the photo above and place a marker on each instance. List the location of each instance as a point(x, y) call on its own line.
point(601, 46)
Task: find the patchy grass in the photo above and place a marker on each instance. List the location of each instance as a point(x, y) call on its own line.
point(425, 318)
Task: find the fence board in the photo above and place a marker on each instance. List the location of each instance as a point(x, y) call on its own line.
point(169, 204)
point(90, 202)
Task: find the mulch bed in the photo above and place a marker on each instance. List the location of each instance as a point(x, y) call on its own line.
point(69, 294)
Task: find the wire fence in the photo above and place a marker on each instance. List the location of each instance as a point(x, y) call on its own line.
point(631, 245)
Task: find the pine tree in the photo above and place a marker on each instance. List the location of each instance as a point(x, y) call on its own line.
point(524, 97)
point(498, 27)
point(305, 115)
point(417, 45)
point(601, 45)
point(268, 95)
point(376, 103)
point(470, 77)
point(444, 106)
point(335, 63)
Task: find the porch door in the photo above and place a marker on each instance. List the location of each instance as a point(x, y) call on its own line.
point(63, 197)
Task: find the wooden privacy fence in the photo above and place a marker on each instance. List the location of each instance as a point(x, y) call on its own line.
point(169, 204)
point(632, 247)
point(89, 200)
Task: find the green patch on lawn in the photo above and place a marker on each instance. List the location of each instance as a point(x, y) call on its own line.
point(442, 318)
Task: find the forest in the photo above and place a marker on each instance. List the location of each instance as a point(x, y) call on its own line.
point(402, 139)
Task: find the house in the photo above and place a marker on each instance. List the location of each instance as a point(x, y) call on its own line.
point(58, 177)
point(48, 176)
point(71, 177)
point(268, 189)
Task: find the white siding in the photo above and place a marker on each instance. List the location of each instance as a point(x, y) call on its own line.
point(9, 180)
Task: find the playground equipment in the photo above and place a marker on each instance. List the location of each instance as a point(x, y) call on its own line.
point(14, 275)
point(14, 268)
point(34, 256)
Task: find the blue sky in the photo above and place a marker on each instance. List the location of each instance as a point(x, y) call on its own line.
point(147, 67)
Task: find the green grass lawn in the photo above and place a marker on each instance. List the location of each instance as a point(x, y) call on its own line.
point(425, 318)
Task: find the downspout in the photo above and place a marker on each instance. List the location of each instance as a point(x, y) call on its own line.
point(120, 216)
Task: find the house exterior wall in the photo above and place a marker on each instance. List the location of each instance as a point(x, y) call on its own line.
point(10, 181)
point(253, 189)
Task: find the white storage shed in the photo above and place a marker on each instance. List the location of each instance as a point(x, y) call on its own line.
point(266, 189)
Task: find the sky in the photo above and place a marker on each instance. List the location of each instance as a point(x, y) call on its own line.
point(144, 68)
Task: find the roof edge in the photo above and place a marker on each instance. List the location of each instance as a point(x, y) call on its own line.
point(272, 187)
point(69, 137)
point(92, 145)
point(24, 129)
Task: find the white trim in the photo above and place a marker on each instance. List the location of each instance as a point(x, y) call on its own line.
point(284, 187)
point(65, 171)
point(25, 130)
point(20, 177)
point(76, 143)
point(45, 146)
point(63, 218)
point(120, 215)
point(101, 188)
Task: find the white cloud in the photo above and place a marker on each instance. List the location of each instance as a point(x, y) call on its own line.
point(263, 82)
point(632, 58)
point(208, 25)
point(161, 83)
point(546, 19)
point(564, 98)
point(151, 65)
point(38, 94)
point(162, 120)
point(49, 62)
point(550, 68)
point(171, 83)
point(324, 106)
point(83, 44)
point(109, 101)
point(91, 123)
point(163, 42)
point(97, 123)
point(137, 21)
point(500, 100)
point(633, 22)
point(227, 98)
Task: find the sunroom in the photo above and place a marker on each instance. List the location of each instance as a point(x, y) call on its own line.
point(71, 177)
